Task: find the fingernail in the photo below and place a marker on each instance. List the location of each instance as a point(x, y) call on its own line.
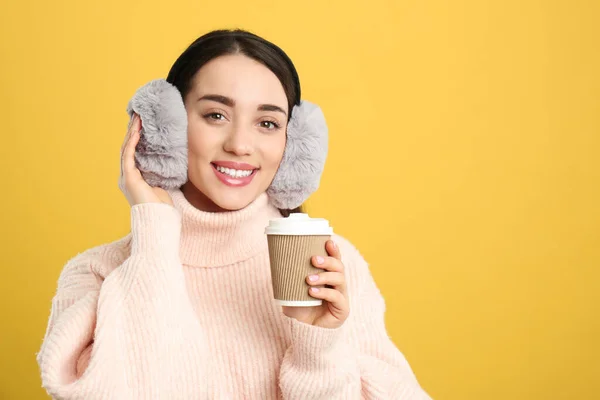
point(320, 260)
point(334, 244)
point(314, 289)
point(313, 278)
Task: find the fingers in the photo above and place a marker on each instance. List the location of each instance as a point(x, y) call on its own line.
point(132, 139)
point(335, 279)
point(333, 250)
point(334, 291)
point(126, 139)
point(328, 263)
point(335, 297)
point(128, 134)
point(333, 265)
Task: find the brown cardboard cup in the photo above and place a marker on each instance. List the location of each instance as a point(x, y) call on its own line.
point(292, 242)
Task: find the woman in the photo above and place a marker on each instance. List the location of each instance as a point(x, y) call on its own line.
point(182, 307)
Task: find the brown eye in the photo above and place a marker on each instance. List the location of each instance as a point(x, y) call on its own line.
point(270, 125)
point(215, 116)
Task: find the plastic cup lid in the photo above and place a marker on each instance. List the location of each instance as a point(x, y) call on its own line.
point(299, 224)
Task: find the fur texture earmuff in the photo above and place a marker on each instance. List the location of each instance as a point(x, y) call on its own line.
point(161, 154)
point(304, 157)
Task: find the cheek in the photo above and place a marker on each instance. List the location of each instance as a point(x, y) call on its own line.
point(273, 151)
point(200, 142)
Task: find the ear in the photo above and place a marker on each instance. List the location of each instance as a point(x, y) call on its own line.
point(161, 154)
point(304, 157)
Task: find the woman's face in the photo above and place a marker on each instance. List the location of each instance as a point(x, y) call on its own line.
point(237, 119)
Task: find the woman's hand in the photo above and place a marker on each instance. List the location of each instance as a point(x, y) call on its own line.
point(131, 182)
point(335, 308)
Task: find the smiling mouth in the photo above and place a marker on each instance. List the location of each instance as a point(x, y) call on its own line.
point(234, 173)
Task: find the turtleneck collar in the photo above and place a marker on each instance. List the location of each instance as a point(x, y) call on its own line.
point(212, 239)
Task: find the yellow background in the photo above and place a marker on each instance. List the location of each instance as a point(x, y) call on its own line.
point(464, 164)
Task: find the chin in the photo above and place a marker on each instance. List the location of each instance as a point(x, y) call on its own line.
point(232, 201)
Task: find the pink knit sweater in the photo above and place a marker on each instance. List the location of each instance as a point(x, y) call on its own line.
point(182, 308)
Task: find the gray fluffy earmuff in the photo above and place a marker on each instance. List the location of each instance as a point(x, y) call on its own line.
point(304, 157)
point(161, 155)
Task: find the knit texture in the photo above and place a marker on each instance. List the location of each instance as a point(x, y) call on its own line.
point(182, 308)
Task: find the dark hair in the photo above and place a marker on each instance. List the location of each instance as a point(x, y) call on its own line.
point(237, 41)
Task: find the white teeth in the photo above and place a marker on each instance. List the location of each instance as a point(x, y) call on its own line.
point(234, 173)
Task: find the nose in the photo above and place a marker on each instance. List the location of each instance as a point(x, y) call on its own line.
point(239, 140)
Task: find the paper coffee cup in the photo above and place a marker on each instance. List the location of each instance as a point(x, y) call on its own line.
point(292, 242)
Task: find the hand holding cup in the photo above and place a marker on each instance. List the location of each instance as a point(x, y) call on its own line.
point(335, 308)
point(300, 247)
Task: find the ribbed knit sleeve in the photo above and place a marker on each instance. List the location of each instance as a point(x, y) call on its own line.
point(134, 334)
point(355, 361)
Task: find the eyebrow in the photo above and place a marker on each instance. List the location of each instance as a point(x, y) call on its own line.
point(229, 102)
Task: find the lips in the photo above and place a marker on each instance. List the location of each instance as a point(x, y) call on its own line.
point(235, 165)
point(239, 168)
